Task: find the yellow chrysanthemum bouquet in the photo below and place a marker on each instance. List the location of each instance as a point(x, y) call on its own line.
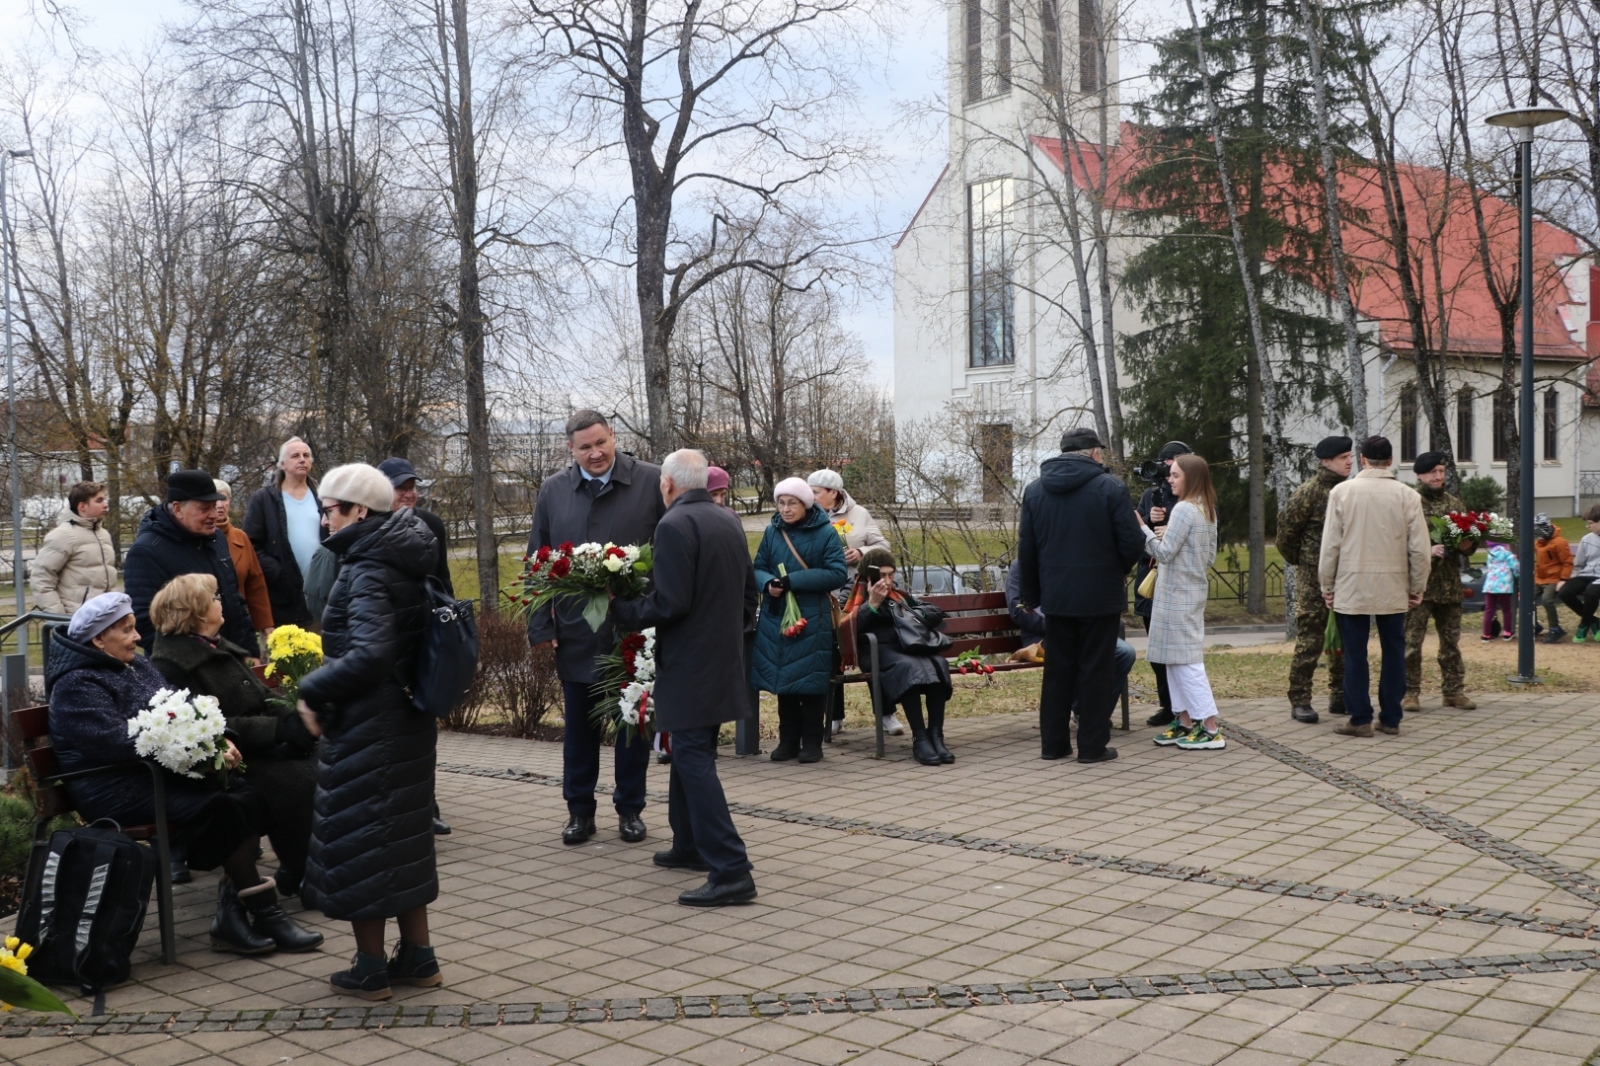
point(294, 653)
point(17, 989)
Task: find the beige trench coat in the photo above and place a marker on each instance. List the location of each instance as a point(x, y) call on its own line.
point(1375, 545)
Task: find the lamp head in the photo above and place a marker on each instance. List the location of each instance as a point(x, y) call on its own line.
point(1526, 119)
point(20, 153)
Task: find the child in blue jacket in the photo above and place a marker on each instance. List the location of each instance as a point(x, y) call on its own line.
point(1499, 590)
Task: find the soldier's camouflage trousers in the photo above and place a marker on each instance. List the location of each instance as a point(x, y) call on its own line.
point(1447, 620)
point(1311, 622)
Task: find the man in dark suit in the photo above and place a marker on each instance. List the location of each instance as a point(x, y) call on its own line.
point(702, 598)
point(1077, 539)
point(602, 497)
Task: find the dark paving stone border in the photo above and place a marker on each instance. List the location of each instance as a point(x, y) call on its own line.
point(774, 1004)
point(1583, 885)
point(1170, 871)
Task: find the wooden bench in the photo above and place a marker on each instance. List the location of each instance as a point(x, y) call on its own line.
point(32, 725)
point(976, 621)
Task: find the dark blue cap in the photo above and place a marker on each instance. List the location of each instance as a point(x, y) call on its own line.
point(398, 471)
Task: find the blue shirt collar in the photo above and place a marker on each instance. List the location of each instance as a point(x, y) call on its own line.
point(604, 479)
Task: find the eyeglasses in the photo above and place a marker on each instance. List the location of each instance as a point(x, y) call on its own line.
point(328, 510)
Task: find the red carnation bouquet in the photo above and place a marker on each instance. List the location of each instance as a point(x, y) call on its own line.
point(590, 572)
point(1462, 530)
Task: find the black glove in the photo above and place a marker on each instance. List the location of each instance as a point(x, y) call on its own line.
point(293, 732)
point(783, 582)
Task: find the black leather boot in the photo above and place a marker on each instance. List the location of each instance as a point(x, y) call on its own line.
point(269, 920)
point(788, 735)
point(936, 736)
point(230, 929)
point(922, 748)
point(812, 721)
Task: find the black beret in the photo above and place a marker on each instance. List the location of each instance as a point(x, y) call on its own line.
point(1428, 461)
point(1076, 440)
point(1332, 447)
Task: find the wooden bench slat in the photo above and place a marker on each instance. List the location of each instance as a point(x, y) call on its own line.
point(31, 723)
point(978, 623)
point(967, 601)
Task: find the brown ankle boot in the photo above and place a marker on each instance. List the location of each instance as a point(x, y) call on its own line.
point(1412, 703)
point(1351, 730)
point(1461, 700)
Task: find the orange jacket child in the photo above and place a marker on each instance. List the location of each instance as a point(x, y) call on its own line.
point(1552, 560)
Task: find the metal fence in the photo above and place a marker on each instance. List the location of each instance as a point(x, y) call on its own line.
point(1234, 584)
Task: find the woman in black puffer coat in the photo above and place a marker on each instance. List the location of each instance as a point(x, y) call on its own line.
point(371, 856)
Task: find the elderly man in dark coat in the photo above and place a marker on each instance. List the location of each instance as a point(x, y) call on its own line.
point(602, 497)
point(702, 601)
point(1077, 540)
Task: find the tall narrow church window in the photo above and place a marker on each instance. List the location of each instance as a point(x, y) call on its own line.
point(1552, 423)
point(1050, 62)
point(1090, 46)
point(991, 298)
point(1505, 421)
point(1464, 427)
point(974, 14)
point(1408, 422)
point(1002, 45)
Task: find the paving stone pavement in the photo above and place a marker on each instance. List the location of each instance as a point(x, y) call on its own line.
point(1427, 898)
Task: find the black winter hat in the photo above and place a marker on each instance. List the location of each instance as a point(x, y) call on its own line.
point(1332, 447)
point(192, 485)
point(1428, 461)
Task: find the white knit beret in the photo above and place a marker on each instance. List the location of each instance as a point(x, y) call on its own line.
point(358, 483)
point(826, 479)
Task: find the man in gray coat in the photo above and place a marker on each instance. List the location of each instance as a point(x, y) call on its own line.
point(602, 497)
point(702, 600)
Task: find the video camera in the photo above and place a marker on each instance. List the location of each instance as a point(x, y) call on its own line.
point(1156, 471)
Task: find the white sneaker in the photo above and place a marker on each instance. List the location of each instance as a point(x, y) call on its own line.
point(892, 726)
point(835, 726)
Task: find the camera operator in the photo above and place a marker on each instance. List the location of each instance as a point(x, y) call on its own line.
point(1154, 507)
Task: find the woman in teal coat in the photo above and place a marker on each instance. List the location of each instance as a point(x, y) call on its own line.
point(802, 542)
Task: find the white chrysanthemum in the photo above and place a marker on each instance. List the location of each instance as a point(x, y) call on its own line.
point(614, 563)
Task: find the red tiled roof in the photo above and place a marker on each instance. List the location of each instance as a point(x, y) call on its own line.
point(1464, 321)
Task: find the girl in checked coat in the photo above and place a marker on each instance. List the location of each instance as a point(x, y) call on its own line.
point(1185, 552)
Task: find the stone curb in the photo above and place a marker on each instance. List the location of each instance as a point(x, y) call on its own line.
point(1169, 871)
point(775, 1004)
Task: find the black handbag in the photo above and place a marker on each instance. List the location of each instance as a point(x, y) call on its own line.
point(916, 628)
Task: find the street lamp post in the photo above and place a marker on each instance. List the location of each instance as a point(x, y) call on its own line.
point(11, 397)
point(1525, 120)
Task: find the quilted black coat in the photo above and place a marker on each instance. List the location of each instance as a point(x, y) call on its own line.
point(372, 834)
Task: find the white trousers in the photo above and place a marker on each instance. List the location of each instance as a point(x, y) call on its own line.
point(1191, 691)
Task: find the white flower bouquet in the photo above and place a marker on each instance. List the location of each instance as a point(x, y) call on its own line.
point(591, 573)
point(181, 733)
point(627, 686)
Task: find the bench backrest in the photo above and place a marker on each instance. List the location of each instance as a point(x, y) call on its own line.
point(32, 727)
point(975, 621)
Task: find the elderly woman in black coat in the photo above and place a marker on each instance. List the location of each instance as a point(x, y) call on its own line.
point(191, 653)
point(98, 682)
point(906, 677)
point(371, 856)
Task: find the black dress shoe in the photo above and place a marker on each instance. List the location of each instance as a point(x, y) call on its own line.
point(1052, 754)
point(1304, 712)
point(631, 826)
point(709, 895)
point(810, 749)
point(180, 873)
point(578, 829)
point(923, 751)
point(1161, 717)
point(946, 756)
point(1105, 756)
point(677, 860)
point(441, 828)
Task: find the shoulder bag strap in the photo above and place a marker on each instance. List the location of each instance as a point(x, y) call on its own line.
point(834, 610)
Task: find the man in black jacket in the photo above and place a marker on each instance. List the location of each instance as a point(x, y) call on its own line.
point(602, 497)
point(181, 537)
point(1077, 540)
point(702, 599)
point(403, 476)
point(285, 542)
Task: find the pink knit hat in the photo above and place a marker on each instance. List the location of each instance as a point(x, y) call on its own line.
point(716, 478)
point(793, 486)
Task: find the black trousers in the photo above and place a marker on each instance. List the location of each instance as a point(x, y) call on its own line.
point(697, 808)
point(580, 759)
point(1079, 668)
point(1163, 693)
point(1582, 594)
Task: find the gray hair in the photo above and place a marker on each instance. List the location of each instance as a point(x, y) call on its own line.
point(283, 449)
point(687, 468)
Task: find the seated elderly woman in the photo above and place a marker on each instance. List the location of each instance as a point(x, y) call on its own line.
point(97, 682)
point(191, 654)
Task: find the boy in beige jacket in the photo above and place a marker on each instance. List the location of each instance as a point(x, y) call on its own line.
point(1375, 562)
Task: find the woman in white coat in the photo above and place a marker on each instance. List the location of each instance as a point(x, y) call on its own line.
point(1184, 552)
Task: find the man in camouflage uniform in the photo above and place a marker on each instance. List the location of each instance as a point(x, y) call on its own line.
point(1300, 544)
point(1442, 601)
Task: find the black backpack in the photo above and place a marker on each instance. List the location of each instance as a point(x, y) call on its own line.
point(447, 655)
point(84, 915)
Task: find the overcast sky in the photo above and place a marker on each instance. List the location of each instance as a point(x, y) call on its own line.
point(912, 73)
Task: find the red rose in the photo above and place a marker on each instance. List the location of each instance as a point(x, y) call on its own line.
point(615, 552)
point(561, 567)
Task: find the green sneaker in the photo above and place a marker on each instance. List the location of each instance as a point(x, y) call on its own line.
point(1582, 633)
point(1172, 734)
point(1198, 739)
